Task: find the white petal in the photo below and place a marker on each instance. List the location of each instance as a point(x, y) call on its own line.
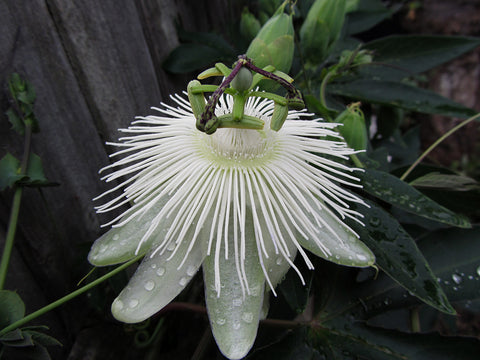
point(157, 281)
point(120, 243)
point(234, 314)
point(343, 245)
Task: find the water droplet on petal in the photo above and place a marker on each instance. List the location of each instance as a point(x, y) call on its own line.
point(171, 246)
point(153, 266)
point(247, 317)
point(115, 237)
point(160, 271)
point(149, 285)
point(457, 278)
point(133, 303)
point(220, 321)
point(361, 257)
point(279, 261)
point(236, 325)
point(103, 248)
point(183, 281)
point(191, 270)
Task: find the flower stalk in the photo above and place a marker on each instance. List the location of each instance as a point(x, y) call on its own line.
point(17, 199)
point(70, 296)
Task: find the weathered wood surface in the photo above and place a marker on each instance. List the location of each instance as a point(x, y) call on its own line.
point(94, 66)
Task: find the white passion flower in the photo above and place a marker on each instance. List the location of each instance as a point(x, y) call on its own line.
point(240, 203)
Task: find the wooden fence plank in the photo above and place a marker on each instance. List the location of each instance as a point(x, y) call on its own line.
point(94, 65)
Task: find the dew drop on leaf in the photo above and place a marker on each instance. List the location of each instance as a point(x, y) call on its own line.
point(456, 278)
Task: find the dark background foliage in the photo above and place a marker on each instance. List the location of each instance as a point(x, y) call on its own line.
point(94, 66)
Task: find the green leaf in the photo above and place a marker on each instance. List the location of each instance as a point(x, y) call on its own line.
point(190, 57)
point(14, 335)
point(398, 255)
point(367, 15)
point(42, 339)
point(211, 40)
point(445, 181)
point(354, 339)
point(35, 174)
point(414, 54)
point(401, 95)
point(12, 308)
point(454, 255)
point(16, 121)
point(294, 345)
point(294, 292)
point(394, 191)
point(24, 341)
point(9, 171)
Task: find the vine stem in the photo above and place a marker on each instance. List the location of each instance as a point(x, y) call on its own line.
point(436, 143)
point(278, 323)
point(17, 199)
point(12, 226)
point(323, 87)
point(68, 297)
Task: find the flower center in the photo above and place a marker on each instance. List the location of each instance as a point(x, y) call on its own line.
point(239, 147)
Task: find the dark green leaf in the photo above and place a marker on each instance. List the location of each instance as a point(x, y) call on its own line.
point(294, 292)
point(211, 40)
point(43, 339)
point(398, 255)
point(414, 54)
point(35, 174)
point(394, 191)
point(16, 121)
point(9, 171)
point(376, 343)
point(37, 352)
point(14, 335)
point(445, 181)
point(12, 308)
point(367, 15)
point(190, 57)
point(454, 256)
point(25, 341)
point(465, 202)
point(401, 95)
point(294, 345)
point(27, 96)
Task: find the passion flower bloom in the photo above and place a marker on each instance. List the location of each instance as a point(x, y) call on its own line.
point(240, 203)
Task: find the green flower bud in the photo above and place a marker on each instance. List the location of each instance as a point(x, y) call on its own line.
point(353, 130)
point(322, 28)
point(280, 113)
point(249, 25)
point(274, 45)
point(197, 100)
point(351, 6)
point(243, 80)
point(354, 58)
